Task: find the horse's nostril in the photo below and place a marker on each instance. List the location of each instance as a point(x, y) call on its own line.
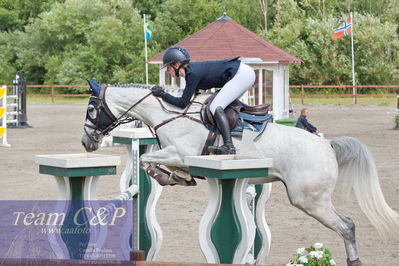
point(84, 145)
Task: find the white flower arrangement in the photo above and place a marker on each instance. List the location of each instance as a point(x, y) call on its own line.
point(316, 255)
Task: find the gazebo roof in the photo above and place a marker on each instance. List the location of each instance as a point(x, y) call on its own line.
point(225, 38)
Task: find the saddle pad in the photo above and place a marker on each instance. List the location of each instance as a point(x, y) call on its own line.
point(251, 122)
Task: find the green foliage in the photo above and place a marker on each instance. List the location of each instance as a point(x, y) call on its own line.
point(83, 39)
point(14, 14)
point(376, 51)
point(150, 8)
point(246, 13)
point(66, 41)
point(7, 71)
point(180, 18)
point(328, 61)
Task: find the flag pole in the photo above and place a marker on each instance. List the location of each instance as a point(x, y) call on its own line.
point(353, 65)
point(145, 49)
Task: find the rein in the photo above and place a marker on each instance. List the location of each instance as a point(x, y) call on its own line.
point(179, 115)
point(122, 119)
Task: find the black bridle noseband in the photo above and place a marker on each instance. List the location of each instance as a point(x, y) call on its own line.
point(105, 121)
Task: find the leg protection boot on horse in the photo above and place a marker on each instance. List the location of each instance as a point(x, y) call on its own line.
point(224, 128)
point(166, 178)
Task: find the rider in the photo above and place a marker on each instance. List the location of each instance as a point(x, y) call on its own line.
point(231, 75)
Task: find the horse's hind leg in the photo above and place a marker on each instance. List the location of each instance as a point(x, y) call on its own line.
point(319, 206)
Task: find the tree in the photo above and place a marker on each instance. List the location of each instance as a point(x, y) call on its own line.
point(83, 39)
point(7, 70)
point(150, 8)
point(180, 18)
point(14, 14)
point(65, 41)
point(329, 62)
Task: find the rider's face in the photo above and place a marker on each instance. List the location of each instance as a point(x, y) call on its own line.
point(172, 72)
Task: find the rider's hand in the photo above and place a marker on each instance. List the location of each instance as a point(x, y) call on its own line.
point(158, 91)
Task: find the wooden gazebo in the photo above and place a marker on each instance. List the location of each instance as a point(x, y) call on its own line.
point(225, 38)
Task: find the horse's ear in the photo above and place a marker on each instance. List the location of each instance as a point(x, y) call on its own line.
point(94, 87)
point(88, 81)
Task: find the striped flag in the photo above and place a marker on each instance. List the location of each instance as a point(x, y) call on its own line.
point(343, 29)
point(148, 32)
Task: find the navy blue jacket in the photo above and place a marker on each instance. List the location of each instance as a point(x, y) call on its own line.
point(204, 75)
point(304, 124)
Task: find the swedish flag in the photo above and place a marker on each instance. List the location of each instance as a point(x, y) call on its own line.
point(148, 31)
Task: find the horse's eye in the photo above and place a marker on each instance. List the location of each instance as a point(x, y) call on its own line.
point(90, 108)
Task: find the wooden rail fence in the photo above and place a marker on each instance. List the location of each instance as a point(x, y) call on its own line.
point(305, 91)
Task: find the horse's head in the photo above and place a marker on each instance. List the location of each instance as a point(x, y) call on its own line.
point(99, 119)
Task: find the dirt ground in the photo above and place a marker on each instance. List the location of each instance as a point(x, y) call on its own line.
point(57, 129)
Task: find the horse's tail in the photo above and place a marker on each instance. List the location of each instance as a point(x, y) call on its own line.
point(358, 173)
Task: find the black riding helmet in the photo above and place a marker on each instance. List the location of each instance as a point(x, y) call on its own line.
point(176, 54)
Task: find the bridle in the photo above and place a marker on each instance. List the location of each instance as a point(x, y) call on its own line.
point(112, 122)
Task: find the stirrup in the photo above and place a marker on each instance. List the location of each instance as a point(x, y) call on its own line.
point(219, 150)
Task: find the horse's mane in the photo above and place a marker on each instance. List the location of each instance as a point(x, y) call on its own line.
point(132, 85)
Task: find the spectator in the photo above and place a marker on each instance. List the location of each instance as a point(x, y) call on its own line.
point(304, 124)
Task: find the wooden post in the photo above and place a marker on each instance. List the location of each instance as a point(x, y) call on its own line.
point(52, 94)
point(355, 91)
point(302, 94)
point(137, 255)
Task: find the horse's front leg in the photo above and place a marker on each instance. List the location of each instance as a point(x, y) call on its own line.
point(167, 167)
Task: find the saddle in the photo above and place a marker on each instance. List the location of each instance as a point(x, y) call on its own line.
point(240, 116)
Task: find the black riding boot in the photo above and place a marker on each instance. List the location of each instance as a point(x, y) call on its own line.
point(224, 128)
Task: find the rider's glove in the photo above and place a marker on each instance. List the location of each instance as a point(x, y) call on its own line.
point(158, 91)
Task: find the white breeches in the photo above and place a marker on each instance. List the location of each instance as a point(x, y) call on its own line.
point(235, 88)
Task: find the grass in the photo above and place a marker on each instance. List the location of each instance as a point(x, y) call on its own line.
point(58, 100)
point(377, 100)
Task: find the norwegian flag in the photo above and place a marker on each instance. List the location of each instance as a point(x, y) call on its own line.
point(343, 29)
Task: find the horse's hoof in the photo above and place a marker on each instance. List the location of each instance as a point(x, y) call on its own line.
point(355, 262)
point(175, 179)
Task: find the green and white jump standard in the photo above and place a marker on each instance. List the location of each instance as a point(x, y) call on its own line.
point(147, 234)
point(227, 229)
point(77, 176)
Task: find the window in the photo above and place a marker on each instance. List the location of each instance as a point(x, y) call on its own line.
point(168, 79)
point(267, 86)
